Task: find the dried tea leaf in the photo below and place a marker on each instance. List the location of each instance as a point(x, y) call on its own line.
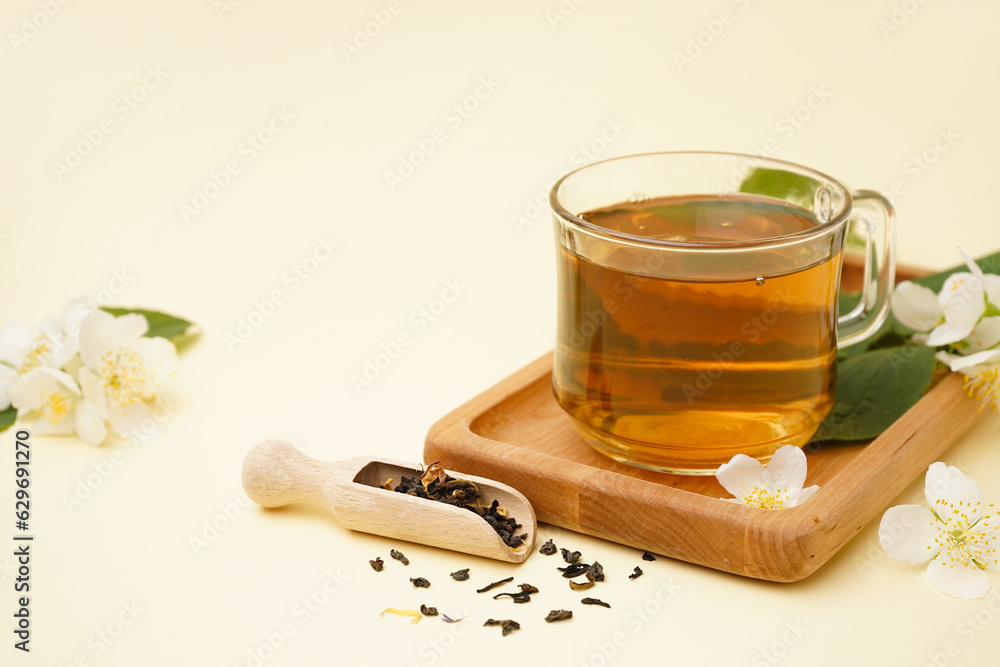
point(597, 571)
point(518, 598)
point(377, 564)
point(490, 587)
point(558, 615)
point(420, 582)
point(581, 586)
point(507, 625)
point(428, 611)
point(570, 556)
point(636, 573)
point(595, 601)
point(648, 556)
point(414, 615)
point(460, 575)
point(435, 473)
point(548, 548)
point(398, 555)
point(574, 570)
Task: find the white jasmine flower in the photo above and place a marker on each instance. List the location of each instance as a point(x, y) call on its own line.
point(982, 374)
point(956, 315)
point(958, 534)
point(60, 408)
point(775, 486)
point(122, 370)
point(50, 348)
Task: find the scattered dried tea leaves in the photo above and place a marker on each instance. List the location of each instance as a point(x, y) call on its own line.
point(558, 615)
point(507, 625)
point(581, 585)
point(523, 596)
point(420, 582)
point(636, 573)
point(398, 555)
point(648, 556)
point(428, 611)
point(574, 570)
point(570, 556)
point(377, 564)
point(595, 601)
point(548, 548)
point(414, 615)
point(460, 575)
point(490, 587)
point(597, 571)
point(434, 483)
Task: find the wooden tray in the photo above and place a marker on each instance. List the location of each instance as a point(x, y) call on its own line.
point(516, 433)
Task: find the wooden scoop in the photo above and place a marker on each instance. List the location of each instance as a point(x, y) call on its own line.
point(275, 473)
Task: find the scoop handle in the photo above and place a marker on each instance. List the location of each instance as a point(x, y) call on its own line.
point(275, 473)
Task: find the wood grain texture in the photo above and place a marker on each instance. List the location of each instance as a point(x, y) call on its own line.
point(515, 432)
point(275, 473)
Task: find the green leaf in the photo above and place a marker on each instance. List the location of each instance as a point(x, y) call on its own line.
point(160, 324)
point(7, 418)
point(874, 389)
point(781, 184)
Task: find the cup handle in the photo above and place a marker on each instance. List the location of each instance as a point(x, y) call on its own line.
point(876, 213)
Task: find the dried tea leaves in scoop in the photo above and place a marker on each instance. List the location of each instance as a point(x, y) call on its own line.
point(435, 483)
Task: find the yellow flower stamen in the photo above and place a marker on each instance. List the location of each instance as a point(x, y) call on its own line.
point(766, 500)
point(125, 377)
point(964, 542)
point(55, 405)
point(984, 384)
point(35, 355)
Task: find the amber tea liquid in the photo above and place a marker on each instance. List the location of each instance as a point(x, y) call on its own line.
point(672, 374)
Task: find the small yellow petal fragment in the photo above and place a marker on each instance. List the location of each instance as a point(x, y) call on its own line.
point(414, 613)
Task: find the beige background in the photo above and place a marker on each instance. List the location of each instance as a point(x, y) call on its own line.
point(113, 227)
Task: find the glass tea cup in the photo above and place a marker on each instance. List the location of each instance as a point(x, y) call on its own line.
point(698, 303)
